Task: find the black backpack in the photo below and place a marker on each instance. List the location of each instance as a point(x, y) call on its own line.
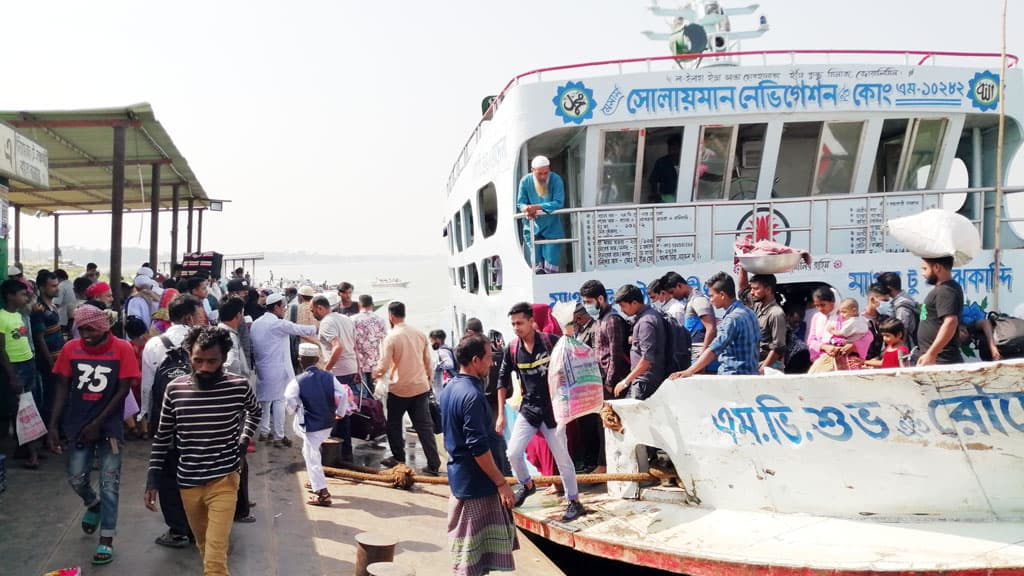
point(677, 344)
point(1007, 334)
point(175, 365)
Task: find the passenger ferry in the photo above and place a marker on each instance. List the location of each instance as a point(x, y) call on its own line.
point(852, 472)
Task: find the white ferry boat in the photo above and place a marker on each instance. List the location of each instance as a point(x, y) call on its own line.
point(382, 282)
point(894, 471)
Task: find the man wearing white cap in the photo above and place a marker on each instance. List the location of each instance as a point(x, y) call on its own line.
point(274, 364)
point(316, 398)
point(146, 298)
point(540, 193)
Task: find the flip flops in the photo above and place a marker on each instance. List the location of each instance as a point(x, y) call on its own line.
point(91, 519)
point(104, 555)
point(320, 499)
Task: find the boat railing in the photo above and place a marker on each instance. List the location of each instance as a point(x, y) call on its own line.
point(648, 64)
point(586, 237)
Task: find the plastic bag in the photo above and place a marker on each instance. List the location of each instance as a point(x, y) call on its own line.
point(937, 233)
point(574, 380)
point(30, 423)
point(131, 406)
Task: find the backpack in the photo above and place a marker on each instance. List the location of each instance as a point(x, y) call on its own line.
point(677, 344)
point(175, 365)
point(447, 374)
point(1007, 334)
point(915, 315)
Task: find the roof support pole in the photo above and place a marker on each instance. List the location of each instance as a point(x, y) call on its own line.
point(154, 218)
point(116, 215)
point(175, 201)
point(17, 234)
point(56, 241)
point(199, 232)
point(188, 226)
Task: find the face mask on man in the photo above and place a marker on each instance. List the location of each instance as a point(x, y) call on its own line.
point(592, 310)
point(885, 307)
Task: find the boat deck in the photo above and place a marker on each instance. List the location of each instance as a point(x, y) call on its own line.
point(700, 542)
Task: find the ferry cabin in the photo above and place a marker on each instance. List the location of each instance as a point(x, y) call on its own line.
point(812, 155)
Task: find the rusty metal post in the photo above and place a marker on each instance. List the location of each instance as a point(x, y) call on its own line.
point(175, 202)
point(188, 227)
point(116, 215)
point(154, 219)
point(56, 241)
point(17, 234)
point(199, 232)
point(372, 547)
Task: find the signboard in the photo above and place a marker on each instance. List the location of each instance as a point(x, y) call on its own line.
point(23, 159)
point(633, 237)
point(212, 263)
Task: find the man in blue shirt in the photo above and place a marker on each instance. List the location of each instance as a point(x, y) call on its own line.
point(541, 192)
point(481, 532)
point(739, 335)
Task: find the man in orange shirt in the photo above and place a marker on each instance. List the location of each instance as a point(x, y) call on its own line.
point(405, 353)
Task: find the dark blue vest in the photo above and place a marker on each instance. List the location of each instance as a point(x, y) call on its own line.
point(316, 390)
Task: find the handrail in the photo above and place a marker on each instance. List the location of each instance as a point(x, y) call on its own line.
point(493, 107)
point(867, 226)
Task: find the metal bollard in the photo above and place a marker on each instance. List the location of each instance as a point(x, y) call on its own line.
point(373, 547)
point(389, 569)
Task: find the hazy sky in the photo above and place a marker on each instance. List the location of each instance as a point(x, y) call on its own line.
point(332, 126)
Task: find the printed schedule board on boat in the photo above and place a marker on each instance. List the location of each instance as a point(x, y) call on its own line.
point(209, 262)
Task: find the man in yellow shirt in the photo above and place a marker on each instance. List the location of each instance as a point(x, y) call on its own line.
point(17, 363)
point(405, 354)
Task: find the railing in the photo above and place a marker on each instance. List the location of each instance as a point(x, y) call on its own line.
point(873, 228)
point(924, 55)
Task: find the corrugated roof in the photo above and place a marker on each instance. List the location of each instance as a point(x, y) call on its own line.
point(81, 148)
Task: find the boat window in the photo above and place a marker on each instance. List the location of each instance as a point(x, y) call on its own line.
point(448, 236)
point(473, 278)
point(492, 274)
point(925, 141)
point(462, 277)
point(487, 201)
point(457, 225)
point(662, 149)
point(451, 275)
point(620, 150)
point(794, 169)
point(467, 217)
point(837, 157)
point(714, 161)
point(887, 159)
point(747, 161)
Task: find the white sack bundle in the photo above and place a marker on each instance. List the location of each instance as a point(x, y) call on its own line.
point(937, 233)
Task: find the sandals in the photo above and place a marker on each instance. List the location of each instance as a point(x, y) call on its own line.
point(322, 498)
point(104, 555)
point(91, 519)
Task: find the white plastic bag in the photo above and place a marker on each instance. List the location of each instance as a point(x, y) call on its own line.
point(30, 423)
point(937, 233)
point(574, 380)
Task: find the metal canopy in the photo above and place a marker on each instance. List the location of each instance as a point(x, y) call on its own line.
point(81, 148)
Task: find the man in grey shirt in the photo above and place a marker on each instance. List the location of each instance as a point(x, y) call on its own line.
point(694, 312)
point(647, 354)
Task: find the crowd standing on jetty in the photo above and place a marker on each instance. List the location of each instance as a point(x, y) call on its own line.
point(209, 368)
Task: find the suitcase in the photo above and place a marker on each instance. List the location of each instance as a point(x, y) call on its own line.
point(368, 421)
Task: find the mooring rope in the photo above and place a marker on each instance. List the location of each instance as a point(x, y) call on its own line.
point(402, 476)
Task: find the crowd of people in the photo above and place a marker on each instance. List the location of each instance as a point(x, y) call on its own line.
point(210, 370)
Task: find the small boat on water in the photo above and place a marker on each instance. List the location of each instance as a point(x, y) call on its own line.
point(389, 282)
point(666, 165)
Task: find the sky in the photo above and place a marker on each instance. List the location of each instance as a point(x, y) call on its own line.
point(331, 126)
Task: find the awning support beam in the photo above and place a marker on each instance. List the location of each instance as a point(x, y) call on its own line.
point(154, 217)
point(199, 232)
point(188, 226)
point(56, 241)
point(175, 202)
point(116, 215)
point(17, 234)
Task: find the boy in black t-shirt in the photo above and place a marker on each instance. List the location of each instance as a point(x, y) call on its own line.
point(940, 315)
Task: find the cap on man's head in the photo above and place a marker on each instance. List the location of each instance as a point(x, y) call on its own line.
point(307, 290)
point(540, 162)
point(143, 281)
point(145, 271)
point(309, 350)
point(237, 285)
point(13, 271)
point(96, 289)
point(274, 298)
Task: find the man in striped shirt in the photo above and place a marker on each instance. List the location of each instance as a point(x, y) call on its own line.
point(210, 415)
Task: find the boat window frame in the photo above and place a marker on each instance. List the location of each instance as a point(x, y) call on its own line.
point(815, 191)
point(467, 221)
point(638, 176)
point(491, 189)
point(911, 141)
point(729, 163)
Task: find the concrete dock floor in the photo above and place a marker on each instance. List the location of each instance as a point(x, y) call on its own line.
point(40, 522)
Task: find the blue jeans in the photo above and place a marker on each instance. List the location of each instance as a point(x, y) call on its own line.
point(79, 468)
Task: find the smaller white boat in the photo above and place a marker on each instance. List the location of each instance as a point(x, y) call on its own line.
point(390, 282)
